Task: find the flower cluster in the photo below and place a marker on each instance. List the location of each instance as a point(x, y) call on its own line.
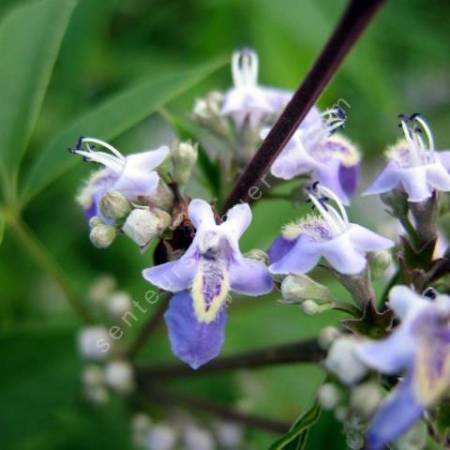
point(389, 362)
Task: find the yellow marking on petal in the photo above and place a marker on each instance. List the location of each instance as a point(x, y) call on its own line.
point(429, 387)
point(395, 151)
point(202, 311)
point(352, 156)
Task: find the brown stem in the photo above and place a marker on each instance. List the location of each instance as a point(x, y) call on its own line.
point(298, 352)
point(225, 413)
point(355, 19)
point(149, 328)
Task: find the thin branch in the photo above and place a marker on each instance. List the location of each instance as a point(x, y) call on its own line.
point(355, 19)
point(307, 351)
point(149, 328)
point(45, 261)
point(225, 413)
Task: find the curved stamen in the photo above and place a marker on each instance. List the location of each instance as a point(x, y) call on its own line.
point(337, 223)
point(409, 136)
point(244, 68)
point(427, 130)
point(114, 161)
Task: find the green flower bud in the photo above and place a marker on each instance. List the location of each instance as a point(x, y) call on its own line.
point(143, 225)
point(184, 158)
point(365, 398)
point(311, 308)
point(102, 236)
point(298, 288)
point(329, 396)
point(114, 205)
point(380, 262)
point(258, 255)
point(94, 221)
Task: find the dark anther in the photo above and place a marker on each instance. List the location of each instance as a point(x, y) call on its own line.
point(341, 112)
point(79, 143)
point(414, 116)
point(71, 150)
point(430, 293)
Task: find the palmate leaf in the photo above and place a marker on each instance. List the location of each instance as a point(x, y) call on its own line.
point(296, 438)
point(110, 119)
point(30, 37)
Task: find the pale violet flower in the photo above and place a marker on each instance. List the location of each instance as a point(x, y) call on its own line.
point(247, 100)
point(414, 165)
point(344, 245)
point(418, 350)
point(134, 176)
point(211, 267)
point(316, 150)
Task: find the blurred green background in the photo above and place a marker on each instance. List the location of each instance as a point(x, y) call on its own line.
point(400, 65)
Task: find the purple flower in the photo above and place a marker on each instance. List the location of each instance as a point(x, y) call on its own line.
point(329, 235)
point(413, 164)
point(314, 149)
point(133, 176)
point(210, 268)
point(249, 102)
point(419, 350)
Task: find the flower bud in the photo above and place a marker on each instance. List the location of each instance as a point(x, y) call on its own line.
point(329, 396)
point(298, 288)
point(380, 262)
point(118, 304)
point(327, 336)
point(119, 376)
point(365, 399)
point(258, 255)
point(196, 438)
point(311, 308)
point(102, 236)
point(114, 205)
point(343, 361)
point(140, 426)
point(229, 435)
point(94, 343)
point(161, 437)
point(94, 221)
point(184, 158)
point(92, 376)
point(101, 289)
point(143, 225)
point(415, 439)
point(96, 394)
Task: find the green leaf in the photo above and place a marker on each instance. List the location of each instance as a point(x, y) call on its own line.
point(2, 227)
point(110, 119)
point(296, 438)
point(30, 37)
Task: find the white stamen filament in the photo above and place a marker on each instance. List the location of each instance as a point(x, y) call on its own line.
point(114, 161)
point(413, 146)
point(331, 121)
point(425, 127)
point(244, 67)
point(337, 222)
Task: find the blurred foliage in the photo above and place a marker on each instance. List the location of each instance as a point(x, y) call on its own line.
point(110, 46)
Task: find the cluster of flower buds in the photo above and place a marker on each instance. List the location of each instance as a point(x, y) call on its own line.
point(181, 431)
point(106, 369)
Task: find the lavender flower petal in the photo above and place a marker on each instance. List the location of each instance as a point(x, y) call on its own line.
point(302, 258)
point(238, 219)
point(201, 214)
point(396, 416)
point(249, 277)
point(444, 158)
point(386, 181)
point(365, 240)
point(414, 182)
point(438, 177)
point(280, 246)
point(349, 178)
point(193, 342)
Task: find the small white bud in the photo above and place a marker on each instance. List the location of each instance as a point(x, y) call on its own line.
point(118, 304)
point(114, 205)
point(92, 376)
point(94, 221)
point(184, 157)
point(341, 414)
point(311, 308)
point(94, 343)
point(143, 225)
point(119, 376)
point(196, 438)
point(229, 435)
point(161, 437)
point(365, 399)
point(329, 396)
point(102, 287)
point(96, 394)
point(343, 361)
point(102, 236)
point(380, 263)
point(327, 336)
point(140, 426)
point(297, 288)
point(258, 255)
